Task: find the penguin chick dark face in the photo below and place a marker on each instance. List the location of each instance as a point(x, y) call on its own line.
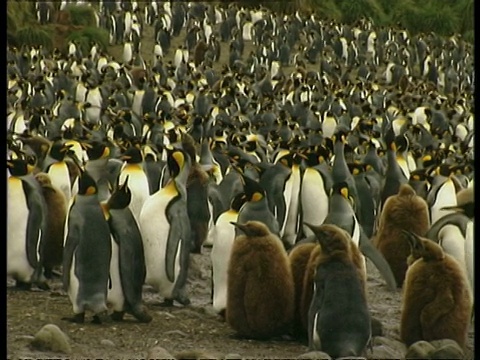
point(86, 184)
point(253, 228)
point(423, 248)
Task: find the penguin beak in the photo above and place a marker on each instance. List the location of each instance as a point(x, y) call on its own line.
point(411, 237)
point(239, 226)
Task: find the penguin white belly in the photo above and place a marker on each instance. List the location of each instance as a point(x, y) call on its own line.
point(115, 295)
point(356, 240)
point(137, 103)
point(452, 241)
point(155, 228)
point(211, 227)
point(73, 287)
point(329, 125)
point(291, 225)
point(17, 210)
point(287, 195)
point(138, 184)
point(314, 200)
point(220, 256)
point(315, 336)
point(446, 196)
point(60, 176)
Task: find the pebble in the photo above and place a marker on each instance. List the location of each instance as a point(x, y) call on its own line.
point(106, 342)
point(315, 355)
point(158, 352)
point(51, 337)
point(419, 350)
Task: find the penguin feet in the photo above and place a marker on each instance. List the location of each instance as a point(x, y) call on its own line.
point(117, 315)
point(77, 318)
point(25, 286)
point(142, 316)
point(101, 318)
point(166, 303)
point(43, 285)
point(377, 327)
point(183, 299)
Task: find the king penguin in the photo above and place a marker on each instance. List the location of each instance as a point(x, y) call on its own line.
point(87, 253)
point(127, 265)
point(26, 224)
point(165, 229)
point(139, 186)
point(223, 236)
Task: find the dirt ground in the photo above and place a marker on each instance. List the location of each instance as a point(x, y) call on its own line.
point(176, 329)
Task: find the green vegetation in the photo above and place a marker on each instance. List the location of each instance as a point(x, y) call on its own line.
point(444, 17)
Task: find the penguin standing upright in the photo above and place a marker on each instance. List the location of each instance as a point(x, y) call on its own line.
point(87, 253)
point(56, 214)
point(165, 229)
point(223, 234)
point(127, 265)
point(259, 306)
point(139, 186)
point(25, 225)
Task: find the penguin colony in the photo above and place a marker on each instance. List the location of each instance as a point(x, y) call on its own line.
point(162, 156)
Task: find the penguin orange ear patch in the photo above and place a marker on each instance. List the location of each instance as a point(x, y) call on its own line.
point(344, 192)
point(257, 196)
point(91, 190)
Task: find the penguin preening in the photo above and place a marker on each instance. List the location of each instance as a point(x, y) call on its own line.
point(437, 301)
point(259, 307)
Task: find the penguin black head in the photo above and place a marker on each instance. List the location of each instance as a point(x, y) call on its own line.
point(133, 155)
point(121, 196)
point(96, 150)
point(18, 166)
point(176, 159)
point(342, 189)
point(252, 228)
point(253, 190)
point(86, 184)
point(238, 201)
point(59, 149)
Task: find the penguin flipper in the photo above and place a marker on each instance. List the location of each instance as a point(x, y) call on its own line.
point(370, 251)
point(72, 239)
point(131, 257)
point(173, 242)
point(458, 219)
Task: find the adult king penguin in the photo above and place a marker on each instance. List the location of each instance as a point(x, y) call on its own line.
point(127, 265)
point(87, 253)
point(165, 229)
point(25, 225)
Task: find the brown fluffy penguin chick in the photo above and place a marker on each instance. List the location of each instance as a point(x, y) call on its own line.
point(404, 211)
point(316, 257)
point(260, 289)
point(299, 256)
point(437, 301)
point(56, 203)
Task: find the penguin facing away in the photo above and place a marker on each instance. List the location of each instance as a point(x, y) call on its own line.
point(165, 229)
point(86, 254)
point(25, 225)
point(338, 320)
point(260, 293)
point(437, 301)
point(127, 266)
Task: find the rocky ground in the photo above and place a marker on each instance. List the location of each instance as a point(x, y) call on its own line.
point(177, 329)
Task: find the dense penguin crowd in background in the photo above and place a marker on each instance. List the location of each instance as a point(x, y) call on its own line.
point(124, 167)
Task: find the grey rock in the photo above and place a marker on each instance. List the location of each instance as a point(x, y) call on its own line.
point(420, 350)
point(158, 352)
point(446, 349)
point(51, 337)
point(231, 356)
point(384, 352)
point(395, 345)
point(315, 355)
point(106, 342)
point(175, 332)
point(442, 342)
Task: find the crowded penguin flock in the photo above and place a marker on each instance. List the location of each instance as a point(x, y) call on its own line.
point(326, 146)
